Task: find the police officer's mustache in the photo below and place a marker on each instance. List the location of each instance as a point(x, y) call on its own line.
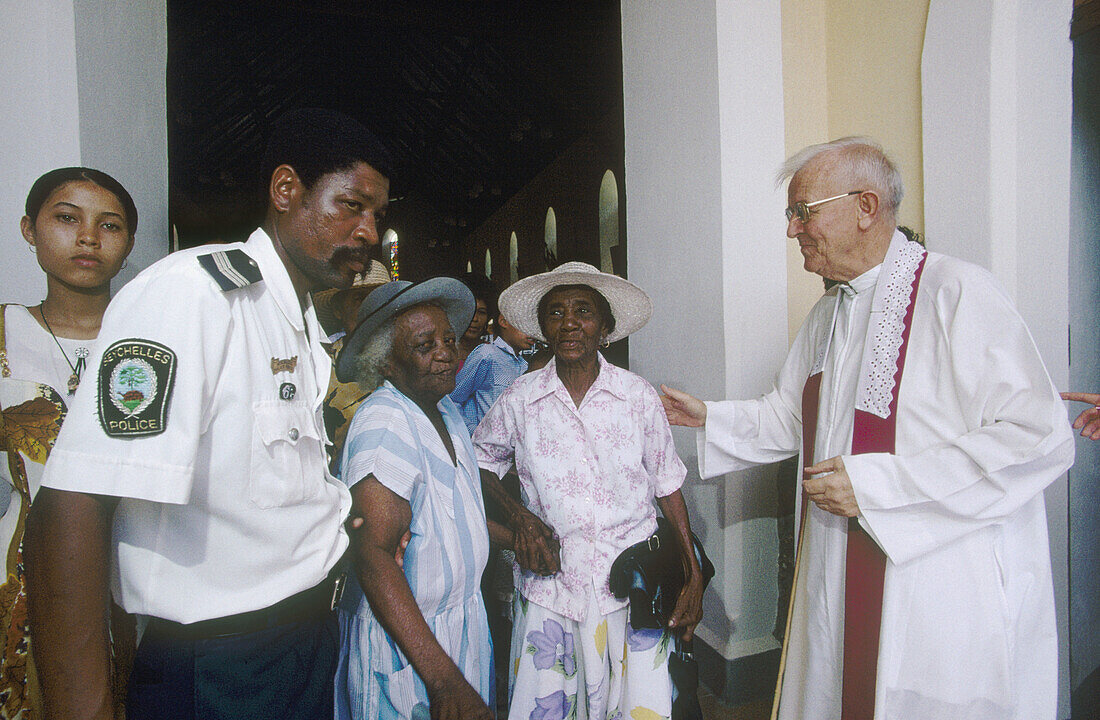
point(346, 255)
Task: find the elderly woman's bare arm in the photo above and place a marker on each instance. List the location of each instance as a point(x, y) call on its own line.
point(689, 606)
point(386, 518)
point(536, 547)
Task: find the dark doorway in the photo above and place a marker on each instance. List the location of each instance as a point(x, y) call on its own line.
point(474, 99)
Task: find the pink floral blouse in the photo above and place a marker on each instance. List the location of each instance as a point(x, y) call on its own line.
point(590, 473)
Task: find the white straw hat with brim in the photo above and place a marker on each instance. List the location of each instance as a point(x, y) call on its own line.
point(390, 299)
point(322, 299)
point(630, 305)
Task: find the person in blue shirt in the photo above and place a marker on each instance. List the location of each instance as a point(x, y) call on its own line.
point(488, 371)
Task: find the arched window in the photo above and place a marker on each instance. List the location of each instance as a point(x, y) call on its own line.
point(513, 259)
point(390, 245)
point(551, 237)
point(609, 220)
point(488, 264)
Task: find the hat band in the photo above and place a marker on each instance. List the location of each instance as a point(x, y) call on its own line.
point(381, 307)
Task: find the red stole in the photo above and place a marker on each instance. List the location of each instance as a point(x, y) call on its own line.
point(866, 563)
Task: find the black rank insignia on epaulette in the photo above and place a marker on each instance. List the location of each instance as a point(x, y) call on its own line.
point(231, 269)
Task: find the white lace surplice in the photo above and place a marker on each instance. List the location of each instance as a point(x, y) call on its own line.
point(968, 616)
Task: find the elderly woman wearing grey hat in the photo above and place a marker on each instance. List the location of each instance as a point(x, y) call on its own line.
point(593, 449)
point(412, 634)
point(415, 634)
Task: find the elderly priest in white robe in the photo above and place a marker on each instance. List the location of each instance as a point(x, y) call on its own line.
point(928, 428)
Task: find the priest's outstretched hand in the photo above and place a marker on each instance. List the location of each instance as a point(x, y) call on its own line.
point(683, 409)
point(831, 489)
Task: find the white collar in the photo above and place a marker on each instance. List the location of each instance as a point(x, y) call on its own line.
point(260, 248)
point(862, 283)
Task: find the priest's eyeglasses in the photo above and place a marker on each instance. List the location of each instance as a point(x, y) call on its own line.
point(802, 211)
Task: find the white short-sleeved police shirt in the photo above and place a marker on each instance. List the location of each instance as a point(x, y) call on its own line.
point(202, 411)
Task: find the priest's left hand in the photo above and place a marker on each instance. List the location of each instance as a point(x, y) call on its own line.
point(831, 491)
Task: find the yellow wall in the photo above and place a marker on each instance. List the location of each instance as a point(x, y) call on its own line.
point(852, 67)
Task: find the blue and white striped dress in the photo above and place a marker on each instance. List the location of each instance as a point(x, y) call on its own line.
point(392, 439)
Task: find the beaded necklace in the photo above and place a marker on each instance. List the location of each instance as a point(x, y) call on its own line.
point(81, 353)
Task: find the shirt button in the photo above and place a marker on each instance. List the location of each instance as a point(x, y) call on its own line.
point(293, 434)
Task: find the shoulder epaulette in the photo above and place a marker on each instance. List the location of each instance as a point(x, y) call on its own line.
point(231, 269)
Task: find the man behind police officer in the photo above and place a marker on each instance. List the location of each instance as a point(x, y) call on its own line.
point(191, 477)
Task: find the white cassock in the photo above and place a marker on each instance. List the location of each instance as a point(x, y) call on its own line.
point(968, 628)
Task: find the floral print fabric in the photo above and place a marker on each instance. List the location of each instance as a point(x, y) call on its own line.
point(597, 669)
point(589, 472)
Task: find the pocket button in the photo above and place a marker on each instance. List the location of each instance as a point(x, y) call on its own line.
point(293, 434)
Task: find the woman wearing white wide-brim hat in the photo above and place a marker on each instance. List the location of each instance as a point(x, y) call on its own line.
point(593, 449)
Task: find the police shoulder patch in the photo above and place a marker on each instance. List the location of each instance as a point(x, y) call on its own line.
point(135, 385)
point(231, 269)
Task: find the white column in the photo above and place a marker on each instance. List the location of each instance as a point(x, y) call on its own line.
point(996, 122)
point(705, 237)
point(83, 84)
point(123, 110)
point(39, 127)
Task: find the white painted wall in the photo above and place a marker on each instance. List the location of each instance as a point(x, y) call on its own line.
point(997, 179)
point(39, 127)
point(83, 83)
point(123, 112)
point(706, 240)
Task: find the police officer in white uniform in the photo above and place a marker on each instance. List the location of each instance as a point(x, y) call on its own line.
point(191, 478)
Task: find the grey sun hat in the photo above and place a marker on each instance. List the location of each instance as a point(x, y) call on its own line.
point(630, 305)
point(390, 299)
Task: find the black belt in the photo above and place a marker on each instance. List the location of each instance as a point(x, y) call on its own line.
point(309, 604)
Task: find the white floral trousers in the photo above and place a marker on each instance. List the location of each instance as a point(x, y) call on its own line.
point(597, 669)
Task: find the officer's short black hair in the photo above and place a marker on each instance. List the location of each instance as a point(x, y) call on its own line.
point(319, 141)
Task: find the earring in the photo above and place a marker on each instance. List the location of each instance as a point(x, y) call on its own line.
point(125, 262)
point(32, 249)
point(605, 343)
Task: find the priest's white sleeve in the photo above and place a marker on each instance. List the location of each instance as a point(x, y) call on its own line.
point(981, 429)
point(742, 433)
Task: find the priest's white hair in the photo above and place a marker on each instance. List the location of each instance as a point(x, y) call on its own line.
point(864, 161)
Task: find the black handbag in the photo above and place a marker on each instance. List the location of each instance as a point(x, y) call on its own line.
point(651, 575)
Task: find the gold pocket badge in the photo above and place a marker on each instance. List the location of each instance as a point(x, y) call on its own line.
point(280, 365)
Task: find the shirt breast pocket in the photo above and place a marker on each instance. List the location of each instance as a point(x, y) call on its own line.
point(287, 463)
